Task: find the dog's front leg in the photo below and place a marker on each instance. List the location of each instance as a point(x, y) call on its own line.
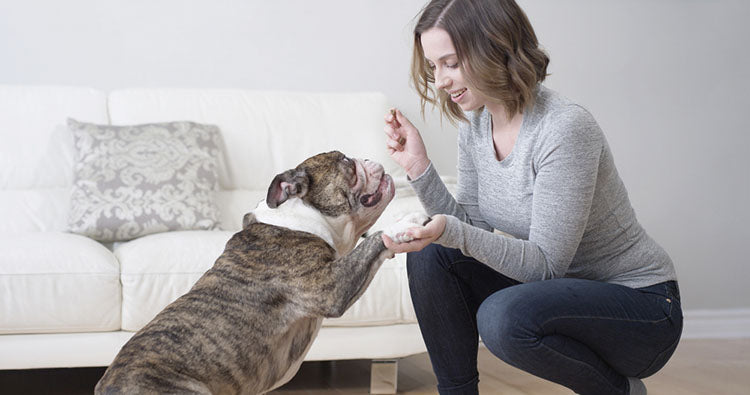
point(352, 273)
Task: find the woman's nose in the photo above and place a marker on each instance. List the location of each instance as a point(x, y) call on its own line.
point(441, 81)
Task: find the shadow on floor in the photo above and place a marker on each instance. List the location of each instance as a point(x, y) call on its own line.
point(78, 381)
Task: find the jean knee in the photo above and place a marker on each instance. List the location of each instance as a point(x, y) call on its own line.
point(489, 326)
point(501, 329)
point(419, 264)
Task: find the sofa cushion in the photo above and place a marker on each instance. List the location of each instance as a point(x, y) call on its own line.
point(234, 204)
point(159, 268)
point(36, 153)
point(385, 302)
point(266, 133)
point(131, 181)
point(57, 282)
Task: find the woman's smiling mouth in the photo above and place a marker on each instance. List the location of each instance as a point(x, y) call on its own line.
point(456, 96)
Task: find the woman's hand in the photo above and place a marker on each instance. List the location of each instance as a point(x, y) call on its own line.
point(405, 144)
point(423, 236)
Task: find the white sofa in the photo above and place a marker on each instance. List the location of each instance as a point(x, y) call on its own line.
point(69, 301)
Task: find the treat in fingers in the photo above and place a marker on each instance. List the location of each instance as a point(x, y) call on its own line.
point(401, 140)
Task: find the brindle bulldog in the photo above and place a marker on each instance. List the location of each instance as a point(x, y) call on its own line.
point(246, 325)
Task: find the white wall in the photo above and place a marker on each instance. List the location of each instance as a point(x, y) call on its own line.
point(667, 80)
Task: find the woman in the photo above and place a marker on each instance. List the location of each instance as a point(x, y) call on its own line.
point(581, 295)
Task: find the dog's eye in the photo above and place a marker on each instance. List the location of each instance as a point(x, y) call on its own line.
point(350, 170)
point(346, 199)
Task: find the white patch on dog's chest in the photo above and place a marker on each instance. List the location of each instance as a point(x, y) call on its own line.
point(295, 215)
point(338, 232)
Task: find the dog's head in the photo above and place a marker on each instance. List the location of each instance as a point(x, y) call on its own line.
point(337, 186)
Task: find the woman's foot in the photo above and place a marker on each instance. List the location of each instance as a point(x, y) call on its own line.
point(636, 386)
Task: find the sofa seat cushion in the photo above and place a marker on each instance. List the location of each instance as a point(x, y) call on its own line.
point(159, 268)
point(57, 282)
point(385, 302)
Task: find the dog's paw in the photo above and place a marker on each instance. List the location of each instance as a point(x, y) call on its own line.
point(397, 230)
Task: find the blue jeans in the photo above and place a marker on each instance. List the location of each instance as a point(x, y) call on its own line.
point(586, 335)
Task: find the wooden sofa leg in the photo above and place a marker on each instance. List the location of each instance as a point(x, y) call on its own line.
point(383, 376)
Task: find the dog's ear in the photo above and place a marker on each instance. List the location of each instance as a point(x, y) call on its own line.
point(291, 183)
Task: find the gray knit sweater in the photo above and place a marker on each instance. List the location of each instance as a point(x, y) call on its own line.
point(558, 193)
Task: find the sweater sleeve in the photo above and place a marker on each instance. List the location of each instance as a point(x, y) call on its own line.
point(435, 197)
point(566, 161)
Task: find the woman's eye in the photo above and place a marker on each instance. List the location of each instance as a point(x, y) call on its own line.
point(450, 66)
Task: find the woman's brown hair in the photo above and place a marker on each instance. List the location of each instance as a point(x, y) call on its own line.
point(497, 49)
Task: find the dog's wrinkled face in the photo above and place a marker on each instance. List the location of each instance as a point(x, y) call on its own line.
point(336, 185)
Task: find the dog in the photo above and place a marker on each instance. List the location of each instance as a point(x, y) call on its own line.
point(248, 322)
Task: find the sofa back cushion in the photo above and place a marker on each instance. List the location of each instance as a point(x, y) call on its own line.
point(36, 153)
point(264, 133)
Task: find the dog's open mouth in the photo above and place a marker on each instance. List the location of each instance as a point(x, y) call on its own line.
point(372, 199)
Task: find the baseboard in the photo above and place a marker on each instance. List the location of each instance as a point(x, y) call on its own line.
point(716, 324)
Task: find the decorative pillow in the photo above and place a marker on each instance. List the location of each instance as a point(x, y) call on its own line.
point(130, 181)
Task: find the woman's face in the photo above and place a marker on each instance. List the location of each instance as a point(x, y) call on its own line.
point(441, 57)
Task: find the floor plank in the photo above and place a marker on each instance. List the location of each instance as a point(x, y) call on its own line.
point(699, 367)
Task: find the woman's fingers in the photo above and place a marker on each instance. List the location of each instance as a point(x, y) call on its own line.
point(411, 246)
point(394, 117)
point(392, 144)
point(393, 139)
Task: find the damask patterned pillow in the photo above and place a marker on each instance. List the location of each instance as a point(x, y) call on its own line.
point(131, 181)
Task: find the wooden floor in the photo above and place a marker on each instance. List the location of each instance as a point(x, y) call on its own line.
point(699, 367)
